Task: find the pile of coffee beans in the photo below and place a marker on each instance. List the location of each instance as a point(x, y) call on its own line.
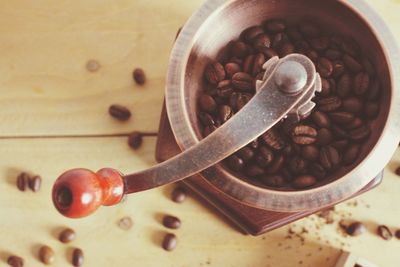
point(290, 157)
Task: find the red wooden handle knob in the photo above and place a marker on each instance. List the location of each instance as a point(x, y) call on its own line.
point(79, 192)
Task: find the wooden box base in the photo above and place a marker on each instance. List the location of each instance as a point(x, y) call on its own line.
point(247, 219)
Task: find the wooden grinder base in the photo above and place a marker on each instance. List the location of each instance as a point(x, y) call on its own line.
point(247, 219)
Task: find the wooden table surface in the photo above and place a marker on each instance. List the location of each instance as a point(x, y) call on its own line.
point(54, 117)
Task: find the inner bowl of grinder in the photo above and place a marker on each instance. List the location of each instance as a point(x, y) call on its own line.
point(343, 38)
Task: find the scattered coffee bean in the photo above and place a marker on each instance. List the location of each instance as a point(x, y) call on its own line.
point(15, 261)
point(119, 112)
point(77, 257)
point(92, 65)
point(139, 76)
point(46, 255)
point(397, 171)
point(35, 183)
point(397, 234)
point(169, 243)
point(356, 229)
point(384, 232)
point(22, 181)
point(125, 223)
point(135, 140)
point(178, 195)
point(67, 235)
point(171, 222)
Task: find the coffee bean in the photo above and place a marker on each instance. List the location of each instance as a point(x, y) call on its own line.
point(139, 76)
point(169, 243)
point(206, 119)
point(214, 73)
point(225, 113)
point(371, 110)
point(273, 139)
point(235, 163)
point(304, 181)
point(15, 261)
point(313, 55)
point(268, 52)
point(361, 83)
point(253, 170)
point(135, 140)
point(350, 46)
point(356, 229)
point(373, 91)
point(352, 64)
point(246, 153)
point(178, 195)
point(224, 88)
point(325, 88)
point(338, 69)
point(333, 54)
point(288, 150)
point(248, 64)
point(125, 223)
point(351, 154)
point(286, 49)
point(328, 104)
point(309, 29)
point(239, 49)
point(356, 123)
point(384, 232)
point(318, 171)
point(324, 67)
point(339, 132)
point(367, 65)
point(77, 257)
point(360, 133)
point(297, 165)
point(46, 255)
point(254, 144)
point(67, 235)
point(324, 137)
point(119, 112)
point(340, 145)
point(242, 100)
point(310, 152)
point(304, 135)
point(92, 65)
point(243, 81)
point(279, 39)
point(273, 180)
point(236, 60)
point(352, 104)
point(301, 46)
point(171, 222)
point(265, 156)
point(344, 86)
point(34, 183)
point(251, 33)
point(320, 44)
point(329, 157)
point(276, 165)
point(275, 26)
point(342, 117)
point(321, 119)
point(207, 103)
point(232, 68)
point(397, 171)
point(22, 181)
point(294, 34)
point(259, 60)
point(397, 234)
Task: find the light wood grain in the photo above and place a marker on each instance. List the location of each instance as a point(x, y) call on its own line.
point(46, 90)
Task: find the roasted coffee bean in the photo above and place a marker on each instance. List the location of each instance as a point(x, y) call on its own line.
point(371, 110)
point(93, 65)
point(318, 171)
point(309, 29)
point(304, 135)
point(325, 67)
point(361, 83)
point(320, 44)
point(350, 46)
point(231, 68)
point(22, 181)
point(304, 181)
point(139, 76)
point(207, 103)
point(224, 88)
point(328, 104)
point(275, 26)
point(286, 49)
point(384, 232)
point(313, 55)
point(125, 223)
point(367, 65)
point(360, 133)
point(352, 64)
point(178, 195)
point(342, 117)
point(259, 60)
point(321, 119)
point(325, 88)
point(46, 255)
point(119, 112)
point(171, 222)
point(265, 156)
point(339, 132)
point(276, 165)
point(273, 180)
point(356, 229)
point(351, 154)
point(324, 137)
point(206, 119)
point(169, 243)
point(67, 235)
point(77, 257)
point(225, 113)
point(397, 171)
point(332, 86)
point(273, 139)
point(208, 130)
point(253, 170)
point(254, 144)
point(214, 73)
point(333, 54)
point(297, 165)
point(301, 46)
point(248, 64)
point(294, 34)
point(251, 33)
point(356, 123)
point(340, 145)
point(235, 163)
point(344, 86)
point(15, 261)
point(135, 140)
point(243, 81)
point(239, 49)
point(288, 150)
point(310, 152)
point(373, 91)
point(329, 157)
point(35, 183)
point(279, 39)
point(242, 100)
point(352, 104)
point(246, 153)
point(338, 69)
point(262, 42)
point(236, 60)
point(268, 52)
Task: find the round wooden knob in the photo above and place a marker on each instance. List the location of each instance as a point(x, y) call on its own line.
point(79, 192)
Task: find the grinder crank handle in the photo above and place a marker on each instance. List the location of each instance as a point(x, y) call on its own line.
point(288, 82)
